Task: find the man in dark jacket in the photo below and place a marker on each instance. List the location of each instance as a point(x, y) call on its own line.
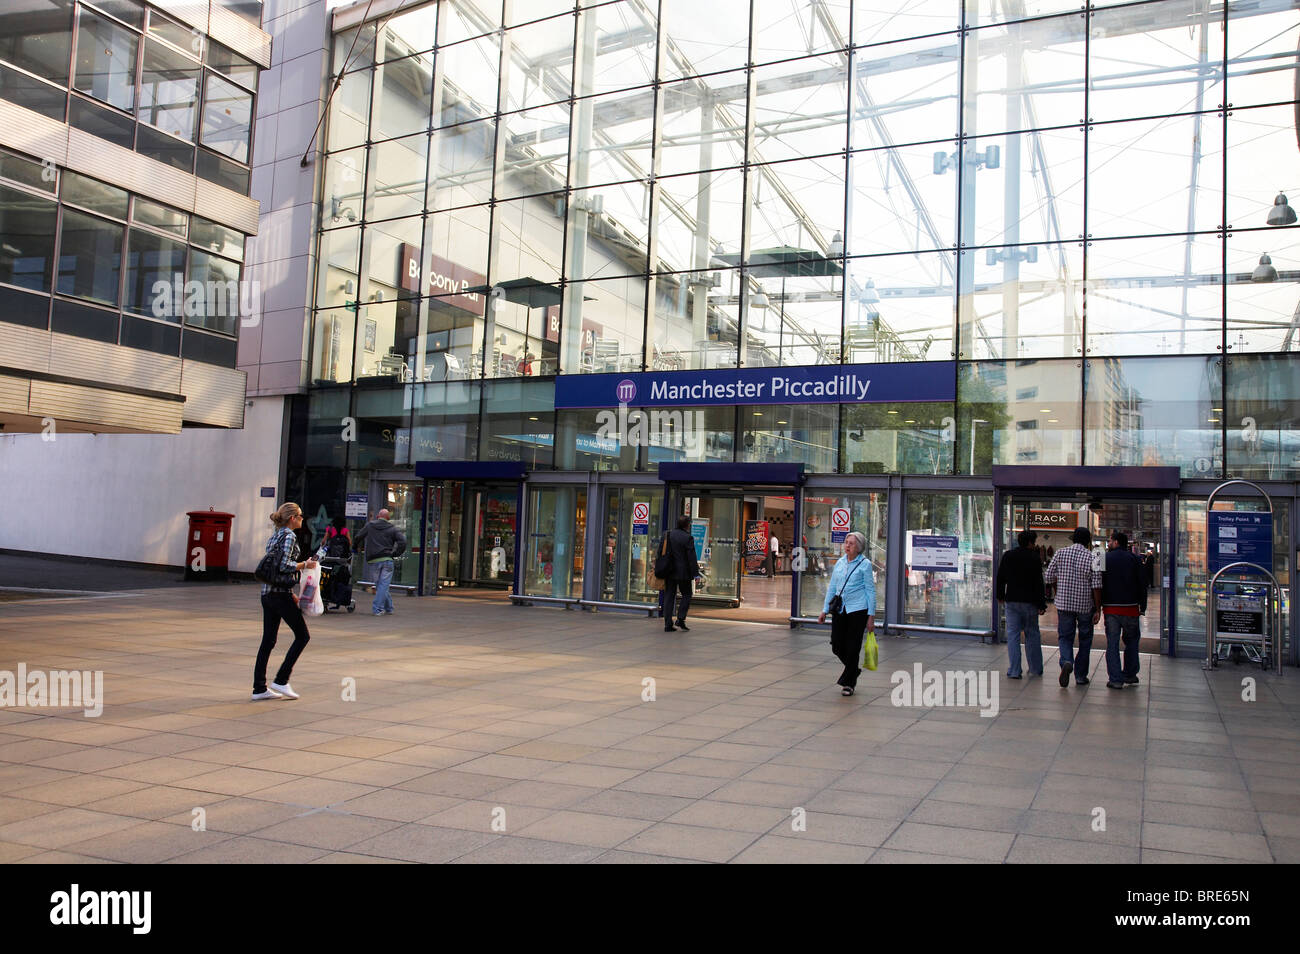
point(683, 569)
point(383, 542)
point(1020, 589)
point(1123, 599)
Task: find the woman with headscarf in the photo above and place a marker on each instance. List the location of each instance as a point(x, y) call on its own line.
point(851, 604)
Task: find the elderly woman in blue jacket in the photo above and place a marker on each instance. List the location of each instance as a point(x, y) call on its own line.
point(853, 582)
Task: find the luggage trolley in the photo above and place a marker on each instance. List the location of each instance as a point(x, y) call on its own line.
point(1242, 618)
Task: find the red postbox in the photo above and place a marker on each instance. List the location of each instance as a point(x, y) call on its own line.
point(207, 546)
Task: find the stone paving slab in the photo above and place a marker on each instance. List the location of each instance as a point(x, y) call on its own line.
point(478, 732)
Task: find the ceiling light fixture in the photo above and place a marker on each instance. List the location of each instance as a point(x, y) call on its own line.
point(1281, 213)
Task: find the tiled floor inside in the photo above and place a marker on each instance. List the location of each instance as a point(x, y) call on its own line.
point(482, 732)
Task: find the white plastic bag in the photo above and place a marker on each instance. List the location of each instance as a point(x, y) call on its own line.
point(309, 600)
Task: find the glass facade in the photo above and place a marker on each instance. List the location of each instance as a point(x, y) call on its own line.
point(1077, 214)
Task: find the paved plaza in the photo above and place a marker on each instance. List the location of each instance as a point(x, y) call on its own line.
point(465, 730)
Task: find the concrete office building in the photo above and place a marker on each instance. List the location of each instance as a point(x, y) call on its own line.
point(129, 156)
point(952, 269)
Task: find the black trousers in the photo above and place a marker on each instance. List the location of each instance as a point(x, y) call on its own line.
point(278, 605)
point(847, 631)
point(671, 590)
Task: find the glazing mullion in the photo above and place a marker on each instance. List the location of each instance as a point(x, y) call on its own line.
point(656, 192)
point(748, 187)
point(1085, 239)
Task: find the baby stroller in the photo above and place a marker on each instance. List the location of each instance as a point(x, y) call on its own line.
point(336, 584)
point(336, 571)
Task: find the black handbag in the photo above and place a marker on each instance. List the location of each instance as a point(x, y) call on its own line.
point(663, 562)
point(270, 571)
point(837, 601)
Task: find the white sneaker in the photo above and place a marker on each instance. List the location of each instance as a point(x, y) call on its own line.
point(286, 690)
point(268, 694)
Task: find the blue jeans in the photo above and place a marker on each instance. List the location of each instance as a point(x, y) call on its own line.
point(1024, 616)
point(383, 578)
point(1126, 627)
point(1066, 623)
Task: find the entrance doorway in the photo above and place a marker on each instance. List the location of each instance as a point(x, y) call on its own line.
point(1145, 521)
point(471, 535)
point(733, 529)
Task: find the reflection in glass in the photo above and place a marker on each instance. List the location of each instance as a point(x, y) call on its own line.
point(1151, 412)
point(461, 171)
point(1018, 412)
point(555, 557)
point(106, 61)
point(403, 97)
point(790, 434)
point(90, 257)
point(1263, 417)
point(897, 439)
point(959, 600)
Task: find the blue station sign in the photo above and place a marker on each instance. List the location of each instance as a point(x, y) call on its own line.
point(929, 381)
point(1234, 537)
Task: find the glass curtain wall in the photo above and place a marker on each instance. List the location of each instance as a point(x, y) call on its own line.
point(1055, 197)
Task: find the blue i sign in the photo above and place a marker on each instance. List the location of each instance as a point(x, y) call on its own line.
point(1233, 537)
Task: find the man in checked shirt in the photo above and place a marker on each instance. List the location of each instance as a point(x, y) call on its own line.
point(1078, 603)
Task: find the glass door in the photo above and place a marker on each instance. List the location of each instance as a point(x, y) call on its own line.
point(555, 551)
point(632, 522)
point(404, 500)
point(1145, 522)
point(493, 512)
point(717, 524)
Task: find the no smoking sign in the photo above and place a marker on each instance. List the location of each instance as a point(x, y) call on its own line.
point(839, 524)
point(640, 519)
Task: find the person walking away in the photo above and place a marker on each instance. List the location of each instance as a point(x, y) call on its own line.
point(774, 556)
point(1123, 600)
point(1020, 589)
point(1078, 603)
point(279, 603)
point(854, 612)
point(383, 543)
point(683, 570)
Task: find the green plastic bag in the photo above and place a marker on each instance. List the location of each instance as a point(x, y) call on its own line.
point(870, 651)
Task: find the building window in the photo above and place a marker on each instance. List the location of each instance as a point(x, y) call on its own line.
point(227, 118)
point(169, 90)
point(27, 251)
point(106, 61)
point(90, 257)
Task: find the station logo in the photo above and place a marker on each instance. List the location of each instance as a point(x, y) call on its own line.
point(626, 391)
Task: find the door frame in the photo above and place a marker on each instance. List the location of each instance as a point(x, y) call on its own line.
point(745, 478)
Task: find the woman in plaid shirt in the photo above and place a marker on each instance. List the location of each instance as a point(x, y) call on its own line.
point(279, 603)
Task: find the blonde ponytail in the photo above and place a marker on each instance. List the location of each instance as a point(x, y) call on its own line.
point(286, 513)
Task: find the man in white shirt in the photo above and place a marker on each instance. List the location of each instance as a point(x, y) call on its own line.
point(773, 552)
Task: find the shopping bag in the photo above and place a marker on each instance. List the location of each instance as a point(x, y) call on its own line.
point(870, 651)
point(309, 600)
